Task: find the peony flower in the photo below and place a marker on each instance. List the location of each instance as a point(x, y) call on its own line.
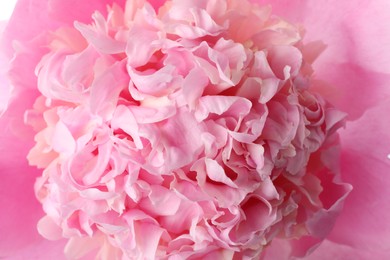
point(187, 129)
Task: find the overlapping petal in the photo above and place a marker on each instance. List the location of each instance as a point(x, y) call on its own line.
point(204, 133)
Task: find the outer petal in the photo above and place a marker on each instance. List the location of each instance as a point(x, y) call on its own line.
point(364, 222)
point(357, 69)
point(329, 250)
point(370, 78)
point(44, 15)
point(20, 211)
point(28, 42)
point(5, 88)
point(362, 230)
point(355, 64)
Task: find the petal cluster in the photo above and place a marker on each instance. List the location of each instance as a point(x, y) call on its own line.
point(190, 133)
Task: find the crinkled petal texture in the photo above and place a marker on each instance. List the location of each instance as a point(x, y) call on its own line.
point(356, 69)
point(20, 211)
point(355, 60)
point(194, 131)
point(23, 44)
point(362, 230)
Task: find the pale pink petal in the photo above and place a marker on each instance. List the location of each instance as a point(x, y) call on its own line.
point(145, 40)
point(216, 173)
point(193, 86)
point(155, 84)
point(78, 247)
point(63, 141)
point(190, 20)
point(285, 61)
point(154, 113)
point(161, 202)
point(21, 211)
point(98, 37)
point(362, 229)
point(219, 254)
point(103, 100)
point(331, 250)
point(354, 66)
point(190, 214)
point(222, 105)
point(357, 72)
point(137, 142)
point(366, 165)
point(57, 13)
point(5, 86)
point(125, 120)
point(66, 77)
point(179, 139)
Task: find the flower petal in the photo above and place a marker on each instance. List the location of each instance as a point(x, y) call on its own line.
point(20, 209)
point(366, 165)
point(353, 62)
point(331, 250)
point(56, 12)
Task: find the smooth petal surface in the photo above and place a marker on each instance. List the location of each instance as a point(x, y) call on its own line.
point(56, 13)
point(5, 87)
point(331, 250)
point(366, 165)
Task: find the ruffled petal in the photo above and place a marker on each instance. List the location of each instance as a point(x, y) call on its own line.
point(205, 149)
point(20, 209)
point(56, 13)
point(5, 87)
point(356, 70)
point(354, 65)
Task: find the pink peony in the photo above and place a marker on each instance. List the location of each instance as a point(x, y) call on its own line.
point(192, 129)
